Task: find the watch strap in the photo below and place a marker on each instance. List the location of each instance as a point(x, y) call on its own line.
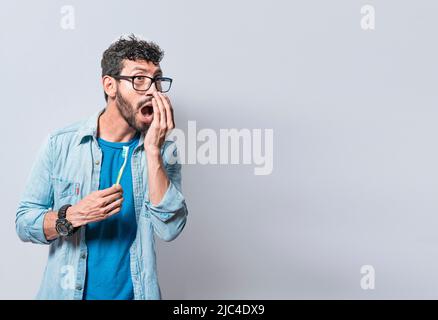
point(62, 212)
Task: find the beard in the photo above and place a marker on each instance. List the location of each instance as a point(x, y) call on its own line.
point(128, 112)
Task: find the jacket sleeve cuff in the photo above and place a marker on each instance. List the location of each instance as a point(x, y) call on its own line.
point(169, 205)
point(35, 230)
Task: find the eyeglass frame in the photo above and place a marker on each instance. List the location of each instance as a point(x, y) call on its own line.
point(153, 80)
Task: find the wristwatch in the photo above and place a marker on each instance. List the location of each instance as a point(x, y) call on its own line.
point(63, 226)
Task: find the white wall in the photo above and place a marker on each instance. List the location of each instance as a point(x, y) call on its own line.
point(354, 115)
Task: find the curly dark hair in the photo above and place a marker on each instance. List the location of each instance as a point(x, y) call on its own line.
point(131, 48)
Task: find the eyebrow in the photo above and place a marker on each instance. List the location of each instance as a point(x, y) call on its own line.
point(159, 71)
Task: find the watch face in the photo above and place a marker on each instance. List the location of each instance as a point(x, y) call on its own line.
point(61, 228)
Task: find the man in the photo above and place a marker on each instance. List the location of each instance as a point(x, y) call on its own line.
point(100, 189)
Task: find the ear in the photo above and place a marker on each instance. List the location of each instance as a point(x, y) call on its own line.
point(109, 86)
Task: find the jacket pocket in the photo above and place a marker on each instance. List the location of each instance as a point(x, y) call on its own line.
point(64, 188)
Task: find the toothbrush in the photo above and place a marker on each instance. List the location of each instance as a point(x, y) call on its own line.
point(125, 156)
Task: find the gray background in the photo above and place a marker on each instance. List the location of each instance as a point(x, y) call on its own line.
point(355, 177)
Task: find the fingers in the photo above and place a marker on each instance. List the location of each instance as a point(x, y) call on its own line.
point(169, 112)
point(108, 191)
point(156, 120)
point(111, 198)
point(162, 109)
point(97, 205)
point(113, 212)
point(113, 206)
point(110, 210)
point(166, 110)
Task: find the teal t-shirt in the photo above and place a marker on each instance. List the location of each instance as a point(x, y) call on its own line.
point(108, 273)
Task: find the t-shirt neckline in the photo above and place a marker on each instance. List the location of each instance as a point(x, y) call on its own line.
point(119, 144)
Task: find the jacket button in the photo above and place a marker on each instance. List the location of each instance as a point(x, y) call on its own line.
point(97, 162)
point(83, 256)
point(78, 287)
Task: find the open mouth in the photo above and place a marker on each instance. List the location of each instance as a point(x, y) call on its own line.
point(147, 111)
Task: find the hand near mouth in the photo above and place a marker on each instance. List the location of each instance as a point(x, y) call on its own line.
point(162, 122)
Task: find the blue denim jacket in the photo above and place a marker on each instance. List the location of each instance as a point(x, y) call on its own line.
point(66, 170)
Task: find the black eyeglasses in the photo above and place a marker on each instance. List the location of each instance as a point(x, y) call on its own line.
point(143, 83)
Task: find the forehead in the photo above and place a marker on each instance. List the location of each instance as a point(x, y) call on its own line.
point(130, 66)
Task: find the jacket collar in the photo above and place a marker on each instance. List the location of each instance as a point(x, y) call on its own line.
point(89, 128)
